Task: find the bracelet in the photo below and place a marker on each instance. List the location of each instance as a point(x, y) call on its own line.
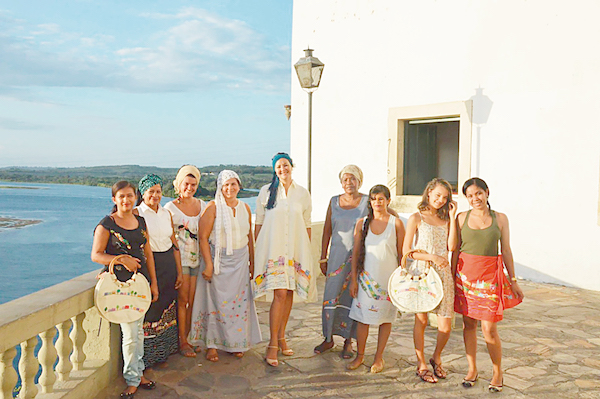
point(513, 279)
point(324, 260)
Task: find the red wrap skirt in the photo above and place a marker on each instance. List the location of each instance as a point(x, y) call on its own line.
point(482, 290)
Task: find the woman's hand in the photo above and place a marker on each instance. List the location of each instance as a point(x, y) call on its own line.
point(440, 261)
point(208, 272)
point(353, 287)
point(452, 208)
point(154, 291)
point(132, 264)
point(178, 281)
point(251, 269)
point(517, 290)
point(323, 268)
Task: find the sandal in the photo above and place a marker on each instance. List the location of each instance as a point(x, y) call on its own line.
point(147, 385)
point(470, 383)
point(128, 395)
point(212, 355)
point(272, 362)
point(288, 351)
point(377, 369)
point(350, 365)
point(426, 376)
point(496, 388)
point(347, 352)
point(187, 351)
point(322, 347)
point(438, 370)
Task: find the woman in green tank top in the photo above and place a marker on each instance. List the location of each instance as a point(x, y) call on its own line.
point(482, 290)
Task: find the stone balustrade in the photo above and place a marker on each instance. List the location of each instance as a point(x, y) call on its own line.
point(87, 350)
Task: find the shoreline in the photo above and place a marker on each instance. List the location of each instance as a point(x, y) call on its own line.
point(14, 223)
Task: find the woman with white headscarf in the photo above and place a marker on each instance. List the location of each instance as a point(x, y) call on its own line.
point(223, 315)
point(186, 211)
point(343, 212)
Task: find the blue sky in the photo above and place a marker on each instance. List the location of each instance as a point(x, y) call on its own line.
point(105, 82)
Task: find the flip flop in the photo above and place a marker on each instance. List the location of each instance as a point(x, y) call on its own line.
point(347, 354)
point(187, 351)
point(212, 356)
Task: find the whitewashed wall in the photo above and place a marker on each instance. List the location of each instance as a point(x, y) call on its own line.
point(539, 150)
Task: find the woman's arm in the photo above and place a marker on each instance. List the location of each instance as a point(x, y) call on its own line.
point(409, 237)
point(205, 227)
point(327, 230)
point(99, 255)
point(458, 222)
point(250, 243)
point(355, 252)
point(507, 255)
point(177, 256)
point(400, 233)
point(452, 231)
point(151, 271)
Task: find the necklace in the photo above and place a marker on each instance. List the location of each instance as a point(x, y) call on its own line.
point(482, 218)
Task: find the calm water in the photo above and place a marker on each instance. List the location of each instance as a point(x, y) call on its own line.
point(58, 249)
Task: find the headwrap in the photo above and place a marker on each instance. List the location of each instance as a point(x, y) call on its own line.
point(183, 172)
point(148, 181)
point(275, 179)
point(223, 219)
point(354, 171)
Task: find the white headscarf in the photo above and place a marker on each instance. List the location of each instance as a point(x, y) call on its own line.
point(223, 219)
point(354, 171)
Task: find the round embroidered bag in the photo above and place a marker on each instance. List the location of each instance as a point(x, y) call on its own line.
point(122, 302)
point(413, 293)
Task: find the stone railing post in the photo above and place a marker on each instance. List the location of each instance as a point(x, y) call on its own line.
point(64, 347)
point(47, 357)
point(28, 368)
point(8, 375)
point(78, 337)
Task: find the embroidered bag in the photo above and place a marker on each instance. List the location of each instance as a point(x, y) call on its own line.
point(412, 293)
point(122, 302)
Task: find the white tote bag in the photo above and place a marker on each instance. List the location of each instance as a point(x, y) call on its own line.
point(415, 293)
point(122, 302)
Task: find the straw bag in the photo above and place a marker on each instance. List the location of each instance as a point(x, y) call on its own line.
point(415, 293)
point(122, 302)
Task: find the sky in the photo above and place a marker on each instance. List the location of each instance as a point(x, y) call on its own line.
point(162, 83)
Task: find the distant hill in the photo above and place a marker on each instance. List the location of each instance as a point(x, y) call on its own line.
point(253, 177)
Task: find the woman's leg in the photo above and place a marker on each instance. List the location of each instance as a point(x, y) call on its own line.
point(191, 296)
point(289, 301)
point(182, 311)
point(362, 333)
point(382, 338)
point(443, 335)
point(470, 339)
point(494, 345)
point(276, 314)
point(419, 339)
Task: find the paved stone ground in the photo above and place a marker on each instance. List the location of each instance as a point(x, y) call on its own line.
point(551, 345)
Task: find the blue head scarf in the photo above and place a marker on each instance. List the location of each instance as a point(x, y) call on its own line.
point(148, 181)
point(275, 180)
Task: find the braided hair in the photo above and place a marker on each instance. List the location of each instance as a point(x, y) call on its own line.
point(377, 189)
point(477, 182)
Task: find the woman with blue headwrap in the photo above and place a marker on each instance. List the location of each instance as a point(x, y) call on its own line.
point(283, 258)
point(160, 322)
point(223, 315)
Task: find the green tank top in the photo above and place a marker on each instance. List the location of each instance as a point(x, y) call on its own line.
point(480, 242)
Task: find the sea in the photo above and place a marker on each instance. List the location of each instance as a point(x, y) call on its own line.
point(58, 248)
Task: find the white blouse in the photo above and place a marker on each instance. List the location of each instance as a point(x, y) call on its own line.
point(186, 231)
point(240, 227)
point(159, 227)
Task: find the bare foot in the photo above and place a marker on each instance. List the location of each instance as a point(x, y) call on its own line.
point(212, 355)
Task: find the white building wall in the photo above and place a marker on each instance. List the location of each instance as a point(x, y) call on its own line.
point(538, 63)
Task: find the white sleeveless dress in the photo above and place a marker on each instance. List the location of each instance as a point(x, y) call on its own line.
point(372, 305)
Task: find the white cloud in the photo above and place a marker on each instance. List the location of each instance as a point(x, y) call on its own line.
point(198, 50)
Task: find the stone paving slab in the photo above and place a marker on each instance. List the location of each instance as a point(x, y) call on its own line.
point(551, 345)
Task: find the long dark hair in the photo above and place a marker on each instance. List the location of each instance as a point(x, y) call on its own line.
point(120, 185)
point(476, 181)
point(275, 180)
point(424, 205)
point(378, 189)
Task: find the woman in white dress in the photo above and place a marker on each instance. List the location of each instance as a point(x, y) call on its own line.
point(283, 256)
point(186, 211)
point(224, 316)
point(376, 254)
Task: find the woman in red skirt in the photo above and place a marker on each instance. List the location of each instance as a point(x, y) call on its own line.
point(482, 290)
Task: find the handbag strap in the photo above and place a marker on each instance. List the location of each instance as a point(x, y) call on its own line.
point(408, 255)
point(111, 265)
